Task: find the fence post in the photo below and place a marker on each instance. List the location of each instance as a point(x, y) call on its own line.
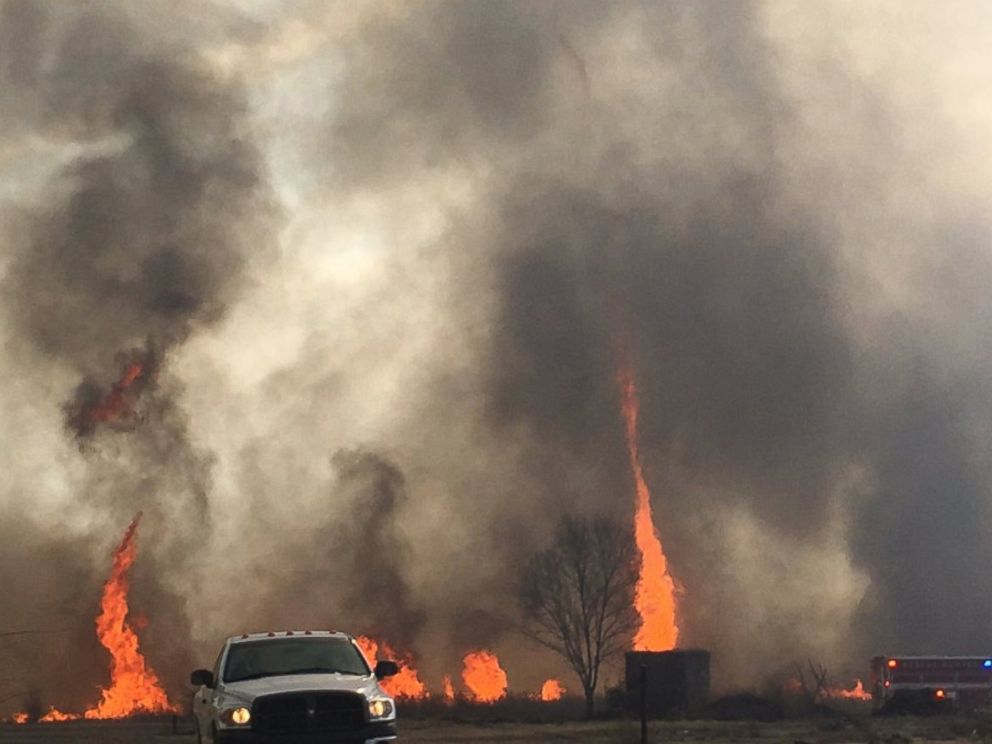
point(644, 704)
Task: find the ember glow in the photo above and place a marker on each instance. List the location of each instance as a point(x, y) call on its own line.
point(407, 683)
point(551, 690)
point(116, 404)
point(134, 686)
point(483, 676)
point(792, 687)
point(655, 596)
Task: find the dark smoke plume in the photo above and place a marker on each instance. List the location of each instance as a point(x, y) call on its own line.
point(369, 550)
point(345, 552)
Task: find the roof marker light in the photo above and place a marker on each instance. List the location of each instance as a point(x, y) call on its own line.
point(939, 694)
point(893, 664)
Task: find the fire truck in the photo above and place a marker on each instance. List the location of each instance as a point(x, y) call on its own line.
point(953, 681)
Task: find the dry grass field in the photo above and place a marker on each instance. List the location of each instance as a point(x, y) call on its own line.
point(809, 731)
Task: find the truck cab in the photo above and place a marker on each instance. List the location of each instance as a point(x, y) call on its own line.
point(293, 686)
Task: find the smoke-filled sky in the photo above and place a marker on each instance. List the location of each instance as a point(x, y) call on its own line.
point(379, 259)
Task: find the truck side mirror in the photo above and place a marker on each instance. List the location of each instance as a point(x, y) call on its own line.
point(385, 669)
point(202, 678)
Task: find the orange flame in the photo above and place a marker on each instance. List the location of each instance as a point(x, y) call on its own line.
point(483, 676)
point(115, 403)
point(449, 689)
point(858, 692)
point(134, 686)
point(20, 718)
point(551, 690)
point(655, 595)
point(54, 715)
point(405, 684)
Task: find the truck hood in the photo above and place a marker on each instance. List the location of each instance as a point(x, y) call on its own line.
point(247, 691)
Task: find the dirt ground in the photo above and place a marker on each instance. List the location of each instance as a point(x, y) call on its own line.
point(812, 731)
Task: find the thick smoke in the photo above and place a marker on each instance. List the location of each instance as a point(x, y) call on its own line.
point(344, 551)
point(372, 418)
point(138, 236)
point(651, 173)
point(646, 207)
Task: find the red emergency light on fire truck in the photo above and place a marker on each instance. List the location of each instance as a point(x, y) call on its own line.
point(965, 681)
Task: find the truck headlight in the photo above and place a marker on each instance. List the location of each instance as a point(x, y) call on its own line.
point(381, 708)
point(239, 716)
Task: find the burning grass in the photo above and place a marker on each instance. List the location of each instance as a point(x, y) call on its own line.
point(407, 683)
point(483, 676)
point(552, 691)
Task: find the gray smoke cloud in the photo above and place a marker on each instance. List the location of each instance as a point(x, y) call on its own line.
point(345, 554)
point(384, 259)
point(649, 209)
point(138, 237)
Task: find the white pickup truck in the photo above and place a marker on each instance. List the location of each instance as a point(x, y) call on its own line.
point(293, 686)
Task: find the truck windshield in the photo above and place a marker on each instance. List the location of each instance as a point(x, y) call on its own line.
point(278, 656)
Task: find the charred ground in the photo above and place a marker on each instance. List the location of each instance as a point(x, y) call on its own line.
point(812, 731)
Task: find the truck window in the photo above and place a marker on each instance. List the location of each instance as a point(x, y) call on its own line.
point(277, 656)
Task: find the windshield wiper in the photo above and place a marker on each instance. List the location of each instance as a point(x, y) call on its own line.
point(257, 675)
point(321, 670)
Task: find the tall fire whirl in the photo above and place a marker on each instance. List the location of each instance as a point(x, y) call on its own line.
point(134, 686)
point(655, 596)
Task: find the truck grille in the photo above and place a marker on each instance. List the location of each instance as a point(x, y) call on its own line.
point(313, 711)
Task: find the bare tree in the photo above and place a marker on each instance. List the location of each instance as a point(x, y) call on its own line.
point(816, 687)
point(577, 597)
